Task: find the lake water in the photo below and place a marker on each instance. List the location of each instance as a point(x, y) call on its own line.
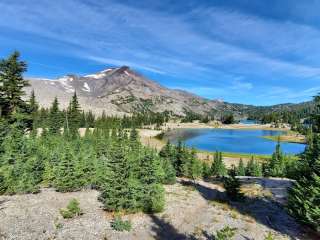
point(229, 140)
point(248, 121)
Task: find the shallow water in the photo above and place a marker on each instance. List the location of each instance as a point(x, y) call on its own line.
point(230, 140)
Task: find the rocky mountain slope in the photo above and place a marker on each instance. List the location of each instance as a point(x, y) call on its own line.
point(123, 91)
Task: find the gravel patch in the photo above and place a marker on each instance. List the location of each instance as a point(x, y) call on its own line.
point(193, 211)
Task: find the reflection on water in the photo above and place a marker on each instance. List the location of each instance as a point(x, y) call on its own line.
point(230, 140)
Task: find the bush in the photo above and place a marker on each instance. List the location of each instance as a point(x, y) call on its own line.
point(169, 172)
point(225, 233)
point(72, 209)
point(119, 225)
point(269, 236)
point(232, 186)
point(157, 199)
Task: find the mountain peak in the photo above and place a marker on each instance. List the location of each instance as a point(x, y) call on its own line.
point(120, 90)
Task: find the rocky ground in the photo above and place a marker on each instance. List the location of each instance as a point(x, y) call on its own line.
point(193, 211)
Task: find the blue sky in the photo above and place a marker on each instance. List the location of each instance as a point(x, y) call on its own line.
point(253, 52)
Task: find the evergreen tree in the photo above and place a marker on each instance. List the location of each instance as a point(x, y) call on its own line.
point(253, 168)
point(12, 84)
point(206, 171)
point(166, 151)
point(33, 105)
point(277, 164)
point(90, 119)
point(150, 175)
point(180, 156)
point(241, 170)
point(218, 169)
point(116, 194)
point(33, 110)
point(73, 116)
point(232, 185)
point(54, 120)
point(304, 197)
point(169, 172)
point(191, 166)
point(21, 169)
point(66, 179)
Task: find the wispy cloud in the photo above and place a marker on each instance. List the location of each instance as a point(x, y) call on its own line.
point(285, 92)
point(122, 63)
point(210, 47)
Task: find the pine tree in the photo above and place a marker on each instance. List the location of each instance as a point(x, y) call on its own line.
point(22, 170)
point(206, 171)
point(33, 110)
point(191, 167)
point(74, 116)
point(54, 120)
point(150, 177)
point(33, 105)
point(12, 84)
point(169, 172)
point(180, 156)
point(166, 151)
point(253, 168)
point(116, 195)
point(66, 179)
point(277, 164)
point(82, 120)
point(218, 168)
point(241, 170)
point(304, 196)
point(232, 185)
point(90, 119)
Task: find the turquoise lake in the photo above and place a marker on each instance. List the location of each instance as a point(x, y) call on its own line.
point(230, 140)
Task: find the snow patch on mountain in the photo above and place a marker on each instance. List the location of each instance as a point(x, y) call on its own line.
point(86, 87)
point(65, 82)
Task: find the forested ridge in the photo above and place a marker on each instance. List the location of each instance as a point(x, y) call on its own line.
point(110, 158)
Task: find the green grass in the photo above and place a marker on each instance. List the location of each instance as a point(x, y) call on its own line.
point(247, 155)
point(291, 140)
point(240, 155)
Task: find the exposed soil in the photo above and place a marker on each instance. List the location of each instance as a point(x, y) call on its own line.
point(193, 211)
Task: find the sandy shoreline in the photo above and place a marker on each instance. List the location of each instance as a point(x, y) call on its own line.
point(198, 125)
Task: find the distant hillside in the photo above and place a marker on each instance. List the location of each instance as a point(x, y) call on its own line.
point(119, 91)
point(123, 91)
point(288, 110)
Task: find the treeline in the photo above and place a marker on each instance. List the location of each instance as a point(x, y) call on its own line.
point(186, 164)
point(225, 118)
point(297, 116)
point(42, 118)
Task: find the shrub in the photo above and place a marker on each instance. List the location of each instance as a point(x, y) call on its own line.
point(169, 172)
point(232, 186)
point(157, 199)
point(119, 225)
point(225, 233)
point(72, 209)
point(269, 236)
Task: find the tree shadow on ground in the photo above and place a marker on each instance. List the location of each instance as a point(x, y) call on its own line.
point(263, 210)
point(165, 230)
